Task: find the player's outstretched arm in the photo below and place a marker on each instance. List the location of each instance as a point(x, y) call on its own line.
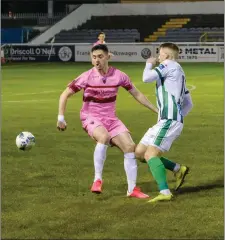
point(61, 123)
point(140, 97)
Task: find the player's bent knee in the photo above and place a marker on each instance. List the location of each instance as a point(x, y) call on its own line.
point(104, 139)
point(139, 154)
point(151, 152)
point(147, 156)
point(101, 135)
point(140, 151)
point(129, 148)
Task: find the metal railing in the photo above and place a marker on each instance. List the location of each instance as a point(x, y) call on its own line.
point(211, 36)
point(31, 15)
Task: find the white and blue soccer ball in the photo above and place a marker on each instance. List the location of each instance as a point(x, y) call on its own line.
point(25, 141)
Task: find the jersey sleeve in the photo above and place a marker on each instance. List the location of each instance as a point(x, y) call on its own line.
point(149, 74)
point(79, 83)
point(162, 70)
point(126, 83)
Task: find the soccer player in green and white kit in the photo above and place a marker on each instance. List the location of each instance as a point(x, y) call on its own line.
point(174, 102)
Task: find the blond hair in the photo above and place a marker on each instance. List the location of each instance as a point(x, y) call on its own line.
point(173, 49)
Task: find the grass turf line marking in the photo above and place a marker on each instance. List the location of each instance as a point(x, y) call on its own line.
point(30, 101)
point(192, 87)
point(35, 93)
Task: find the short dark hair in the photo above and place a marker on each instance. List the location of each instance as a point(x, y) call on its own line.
point(171, 46)
point(101, 33)
point(102, 47)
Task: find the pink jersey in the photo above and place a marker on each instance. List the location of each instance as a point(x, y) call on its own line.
point(98, 42)
point(100, 92)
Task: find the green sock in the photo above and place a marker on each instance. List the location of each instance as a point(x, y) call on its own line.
point(158, 171)
point(168, 164)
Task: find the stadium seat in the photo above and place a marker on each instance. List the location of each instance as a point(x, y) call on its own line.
point(134, 27)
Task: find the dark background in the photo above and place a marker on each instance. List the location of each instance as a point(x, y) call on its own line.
point(42, 5)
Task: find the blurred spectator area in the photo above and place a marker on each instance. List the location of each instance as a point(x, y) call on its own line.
point(22, 27)
point(150, 1)
point(133, 28)
point(90, 35)
point(29, 19)
point(147, 28)
point(23, 20)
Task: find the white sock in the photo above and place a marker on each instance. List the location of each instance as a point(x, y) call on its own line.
point(176, 168)
point(130, 166)
point(99, 159)
point(165, 191)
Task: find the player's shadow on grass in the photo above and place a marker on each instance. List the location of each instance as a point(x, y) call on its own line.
point(152, 187)
point(149, 187)
point(202, 187)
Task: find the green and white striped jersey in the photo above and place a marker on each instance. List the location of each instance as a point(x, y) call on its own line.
point(170, 88)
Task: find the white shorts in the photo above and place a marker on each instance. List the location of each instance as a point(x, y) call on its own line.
point(162, 134)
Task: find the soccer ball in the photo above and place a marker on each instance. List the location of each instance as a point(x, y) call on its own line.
point(25, 141)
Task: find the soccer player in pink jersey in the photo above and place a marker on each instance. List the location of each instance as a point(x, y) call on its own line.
point(98, 115)
point(101, 39)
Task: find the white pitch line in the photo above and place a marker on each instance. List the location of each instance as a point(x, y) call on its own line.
point(192, 87)
point(34, 93)
point(23, 65)
point(30, 101)
point(17, 94)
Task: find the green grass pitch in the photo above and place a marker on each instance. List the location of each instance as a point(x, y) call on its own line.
point(45, 192)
